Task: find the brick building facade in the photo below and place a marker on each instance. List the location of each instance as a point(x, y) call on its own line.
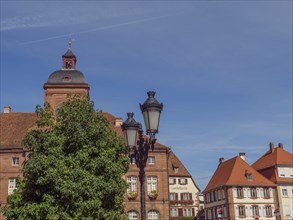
point(60, 83)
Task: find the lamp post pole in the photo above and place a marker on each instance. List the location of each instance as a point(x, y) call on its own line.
point(139, 145)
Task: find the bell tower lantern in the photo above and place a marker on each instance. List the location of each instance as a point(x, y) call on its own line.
point(69, 59)
point(64, 82)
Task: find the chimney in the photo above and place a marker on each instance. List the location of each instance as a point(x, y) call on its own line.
point(280, 145)
point(7, 109)
point(221, 160)
point(242, 155)
point(118, 122)
point(272, 147)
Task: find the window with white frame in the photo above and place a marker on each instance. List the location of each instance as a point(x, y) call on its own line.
point(284, 191)
point(287, 210)
point(132, 184)
point(239, 192)
point(187, 212)
point(209, 214)
point(266, 192)
point(186, 196)
point(291, 171)
point(132, 161)
point(219, 194)
point(151, 160)
point(241, 211)
point(176, 169)
point(153, 215)
point(182, 181)
point(225, 211)
point(11, 185)
point(223, 194)
point(215, 195)
point(281, 171)
point(212, 196)
point(132, 215)
point(172, 180)
point(173, 196)
point(268, 211)
point(152, 184)
point(255, 210)
point(173, 212)
point(15, 161)
point(253, 193)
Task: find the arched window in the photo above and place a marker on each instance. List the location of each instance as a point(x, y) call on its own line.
point(153, 215)
point(132, 215)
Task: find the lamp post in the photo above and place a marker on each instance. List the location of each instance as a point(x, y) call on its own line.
point(139, 145)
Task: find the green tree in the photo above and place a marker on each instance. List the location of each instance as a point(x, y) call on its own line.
point(75, 167)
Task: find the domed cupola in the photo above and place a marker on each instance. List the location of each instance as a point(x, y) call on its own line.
point(66, 81)
point(68, 74)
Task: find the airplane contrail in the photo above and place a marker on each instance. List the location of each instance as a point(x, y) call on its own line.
point(96, 29)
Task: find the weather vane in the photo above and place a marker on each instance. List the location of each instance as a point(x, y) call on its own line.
point(70, 40)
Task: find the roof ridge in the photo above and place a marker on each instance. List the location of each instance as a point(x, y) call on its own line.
point(181, 163)
point(233, 167)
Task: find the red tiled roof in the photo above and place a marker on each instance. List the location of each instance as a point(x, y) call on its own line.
point(232, 172)
point(13, 128)
point(174, 162)
point(276, 156)
point(15, 125)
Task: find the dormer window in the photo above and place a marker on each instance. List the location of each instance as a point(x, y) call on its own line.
point(248, 175)
point(67, 78)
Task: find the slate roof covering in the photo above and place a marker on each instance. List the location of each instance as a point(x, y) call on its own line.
point(232, 173)
point(276, 156)
point(69, 53)
point(66, 77)
point(14, 126)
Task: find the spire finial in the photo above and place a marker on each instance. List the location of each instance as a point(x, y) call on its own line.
point(69, 43)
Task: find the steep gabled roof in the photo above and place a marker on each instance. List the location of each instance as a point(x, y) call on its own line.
point(174, 162)
point(274, 156)
point(234, 172)
point(13, 128)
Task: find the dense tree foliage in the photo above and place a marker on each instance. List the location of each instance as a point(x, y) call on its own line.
point(75, 167)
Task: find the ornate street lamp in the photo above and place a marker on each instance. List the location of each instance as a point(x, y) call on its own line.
point(139, 145)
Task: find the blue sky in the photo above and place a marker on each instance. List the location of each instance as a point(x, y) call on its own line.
point(223, 69)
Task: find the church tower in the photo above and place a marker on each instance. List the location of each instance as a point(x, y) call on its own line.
point(66, 81)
